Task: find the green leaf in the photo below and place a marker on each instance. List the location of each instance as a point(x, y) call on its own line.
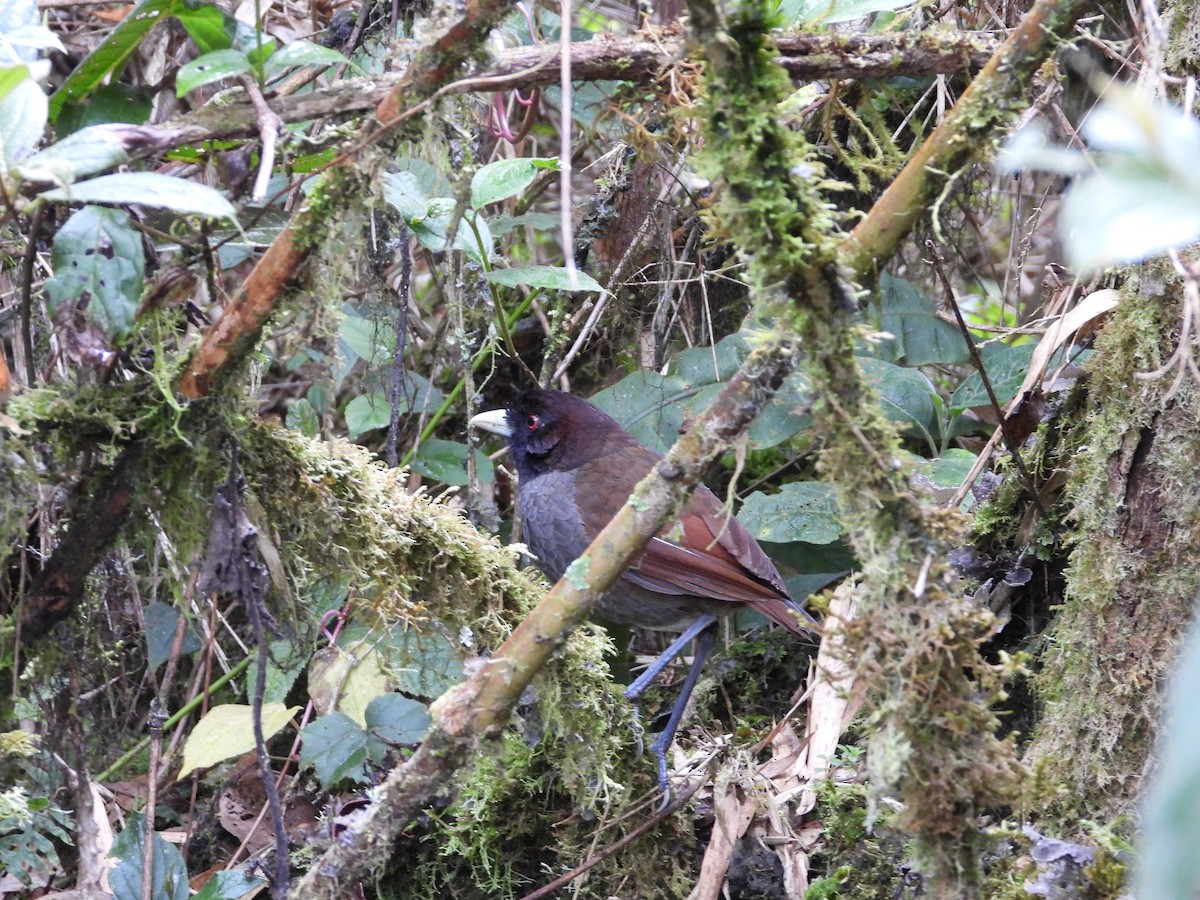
point(285, 662)
point(169, 877)
point(98, 257)
point(109, 104)
point(801, 511)
point(406, 192)
point(1006, 368)
point(336, 747)
point(110, 54)
point(161, 623)
point(506, 178)
point(950, 469)
point(906, 395)
point(366, 412)
point(305, 53)
point(920, 336)
point(302, 417)
point(260, 53)
point(149, 189)
point(85, 152)
point(215, 66)
point(394, 719)
point(209, 26)
point(228, 886)
point(227, 731)
point(550, 278)
point(426, 663)
point(446, 461)
point(502, 225)
point(649, 405)
point(23, 113)
point(347, 678)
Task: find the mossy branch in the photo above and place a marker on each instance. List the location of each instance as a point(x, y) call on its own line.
point(481, 706)
point(989, 102)
point(241, 324)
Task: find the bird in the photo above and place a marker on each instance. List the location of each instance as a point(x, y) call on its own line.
point(576, 466)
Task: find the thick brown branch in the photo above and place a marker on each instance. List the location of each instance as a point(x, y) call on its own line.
point(480, 707)
point(805, 56)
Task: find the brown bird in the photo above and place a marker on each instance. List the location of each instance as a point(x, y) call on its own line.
point(577, 466)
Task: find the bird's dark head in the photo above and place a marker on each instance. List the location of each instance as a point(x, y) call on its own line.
point(552, 430)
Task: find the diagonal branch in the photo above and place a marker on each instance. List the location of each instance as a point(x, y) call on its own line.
point(988, 104)
point(480, 706)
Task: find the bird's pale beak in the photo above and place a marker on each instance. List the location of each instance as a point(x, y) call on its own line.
point(494, 420)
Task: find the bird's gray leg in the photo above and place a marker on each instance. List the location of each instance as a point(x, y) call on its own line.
point(662, 743)
point(634, 692)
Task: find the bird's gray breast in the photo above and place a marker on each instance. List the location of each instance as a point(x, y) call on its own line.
point(551, 526)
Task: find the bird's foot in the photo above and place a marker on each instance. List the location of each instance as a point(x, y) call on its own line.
point(659, 748)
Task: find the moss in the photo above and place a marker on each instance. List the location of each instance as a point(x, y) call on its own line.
point(866, 860)
point(1135, 520)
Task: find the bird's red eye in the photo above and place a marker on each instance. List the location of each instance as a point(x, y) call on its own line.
point(533, 423)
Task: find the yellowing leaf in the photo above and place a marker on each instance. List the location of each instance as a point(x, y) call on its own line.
point(346, 680)
point(228, 731)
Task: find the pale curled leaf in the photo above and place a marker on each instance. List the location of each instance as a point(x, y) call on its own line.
point(148, 189)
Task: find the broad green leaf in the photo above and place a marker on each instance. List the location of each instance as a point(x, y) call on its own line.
point(950, 469)
point(367, 338)
point(346, 679)
point(906, 395)
point(336, 747)
point(168, 874)
point(649, 405)
point(260, 53)
point(406, 193)
point(84, 152)
point(394, 719)
point(800, 511)
point(302, 417)
point(920, 337)
point(110, 54)
point(502, 225)
point(304, 53)
point(162, 621)
point(98, 256)
point(149, 189)
point(426, 663)
point(215, 66)
point(366, 412)
point(209, 26)
point(227, 731)
point(446, 461)
point(506, 178)
point(109, 104)
point(284, 665)
point(23, 115)
point(430, 220)
point(1006, 368)
point(551, 278)
point(228, 886)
